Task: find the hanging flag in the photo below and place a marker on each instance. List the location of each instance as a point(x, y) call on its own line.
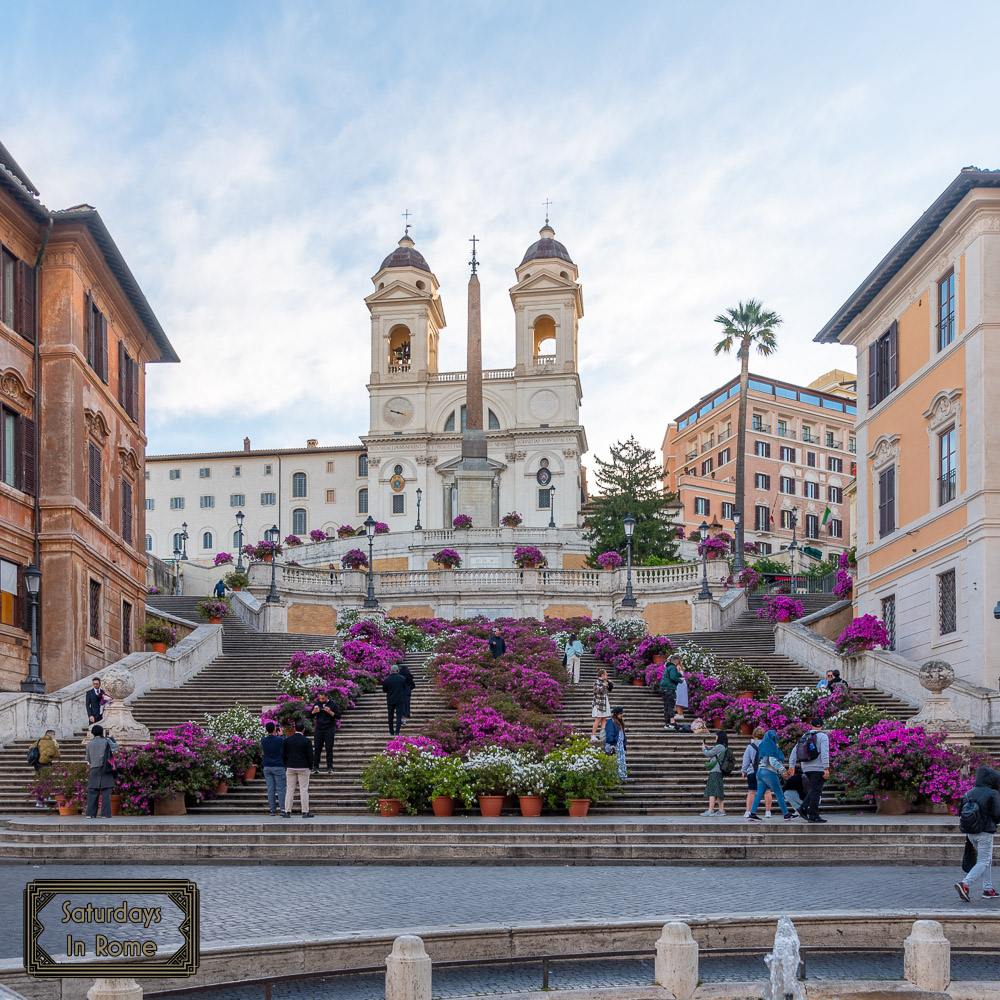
point(826, 515)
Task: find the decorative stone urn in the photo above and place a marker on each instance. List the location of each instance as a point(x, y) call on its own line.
point(937, 714)
point(118, 722)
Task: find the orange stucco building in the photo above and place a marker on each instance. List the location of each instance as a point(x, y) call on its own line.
point(76, 333)
point(926, 324)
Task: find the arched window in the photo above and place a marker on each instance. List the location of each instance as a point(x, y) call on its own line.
point(399, 348)
point(178, 541)
point(207, 540)
point(363, 466)
point(449, 424)
point(300, 484)
point(236, 540)
point(363, 501)
point(494, 422)
point(299, 521)
point(545, 336)
point(149, 543)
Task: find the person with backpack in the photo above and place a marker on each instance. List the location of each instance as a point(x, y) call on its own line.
point(672, 676)
point(44, 752)
point(770, 763)
point(812, 752)
point(748, 769)
point(616, 741)
point(720, 764)
point(977, 819)
point(100, 756)
point(573, 657)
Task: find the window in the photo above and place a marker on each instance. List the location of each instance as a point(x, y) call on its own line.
point(701, 506)
point(128, 381)
point(757, 422)
point(810, 490)
point(94, 470)
point(764, 548)
point(96, 339)
point(812, 526)
point(787, 454)
point(95, 610)
point(10, 610)
point(883, 366)
point(947, 613)
point(946, 298)
point(267, 470)
point(362, 467)
point(17, 451)
point(237, 499)
point(724, 456)
point(947, 459)
point(237, 471)
point(762, 518)
point(786, 519)
point(329, 468)
point(889, 618)
point(836, 527)
point(727, 510)
point(9, 447)
point(397, 470)
point(543, 499)
point(834, 494)
point(706, 467)
point(178, 542)
point(149, 543)
point(363, 501)
point(207, 541)
point(300, 485)
point(126, 511)
point(331, 496)
point(175, 473)
point(8, 295)
point(126, 627)
point(787, 485)
point(236, 540)
point(762, 481)
point(807, 434)
point(268, 499)
point(206, 501)
point(147, 475)
point(492, 421)
point(829, 439)
point(762, 449)
point(150, 503)
point(300, 521)
point(782, 428)
point(834, 464)
point(852, 445)
point(811, 459)
point(205, 472)
point(887, 502)
point(177, 503)
point(17, 294)
point(399, 503)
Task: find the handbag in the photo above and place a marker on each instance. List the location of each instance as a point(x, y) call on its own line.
point(710, 763)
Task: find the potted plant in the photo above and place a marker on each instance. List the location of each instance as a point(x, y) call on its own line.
point(716, 546)
point(345, 531)
point(158, 634)
point(264, 551)
point(529, 782)
point(746, 681)
point(610, 560)
point(779, 608)
point(381, 528)
point(511, 519)
point(152, 590)
point(354, 559)
point(463, 522)
point(385, 776)
point(223, 559)
point(866, 632)
point(241, 756)
point(237, 579)
point(447, 783)
point(488, 773)
point(654, 649)
point(447, 559)
point(213, 609)
point(529, 557)
point(292, 540)
point(65, 783)
point(581, 774)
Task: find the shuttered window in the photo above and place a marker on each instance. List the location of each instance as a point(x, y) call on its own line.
point(126, 627)
point(96, 338)
point(883, 366)
point(17, 294)
point(887, 502)
point(126, 511)
point(94, 609)
point(17, 451)
point(94, 477)
point(128, 382)
point(762, 518)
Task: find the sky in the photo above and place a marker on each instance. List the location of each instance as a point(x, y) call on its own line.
point(253, 162)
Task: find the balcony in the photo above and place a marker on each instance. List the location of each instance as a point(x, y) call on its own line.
point(544, 360)
point(947, 488)
point(808, 438)
point(690, 455)
point(708, 445)
point(839, 445)
point(400, 369)
point(761, 428)
point(784, 432)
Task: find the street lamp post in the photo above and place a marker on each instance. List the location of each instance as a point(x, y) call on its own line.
point(184, 541)
point(793, 549)
point(370, 600)
point(32, 581)
point(239, 530)
point(420, 493)
point(272, 594)
point(706, 594)
point(629, 600)
point(738, 561)
point(552, 506)
point(177, 571)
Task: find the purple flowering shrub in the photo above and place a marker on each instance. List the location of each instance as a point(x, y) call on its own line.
point(448, 558)
point(653, 645)
point(779, 608)
point(293, 540)
point(866, 632)
point(511, 519)
point(345, 531)
point(844, 585)
point(223, 559)
point(354, 559)
point(525, 554)
point(381, 528)
point(716, 546)
point(262, 549)
point(318, 535)
point(609, 560)
point(462, 521)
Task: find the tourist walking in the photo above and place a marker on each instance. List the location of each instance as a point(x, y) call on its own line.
point(672, 676)
point(395, 690)
point(600, 705)
point(812, 753)
point(748, 769)
point(770, 763)
point(101, 779)
point(411, 683)
point(272, 749)
point(978, 819)
point(616, 740)
point(714, 789)
point(96, 700)
point(681, 695)
point(44, 752)
point(297, 755)
point(497, 644)
point(324, 717)
point(574, 657)
point(220, 590)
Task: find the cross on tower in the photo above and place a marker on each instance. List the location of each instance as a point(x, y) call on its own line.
point(406, 215)
point(546, 203)
point(474, 263)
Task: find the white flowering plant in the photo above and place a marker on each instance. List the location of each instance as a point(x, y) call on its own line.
point(489, 771)
point(529, 777)
point(579, 770)
point(236, 721)
point(295, 686)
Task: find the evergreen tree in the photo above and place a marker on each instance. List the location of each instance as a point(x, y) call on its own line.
point(630, 483)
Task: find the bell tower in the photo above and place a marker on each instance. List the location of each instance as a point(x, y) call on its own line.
point(548, 304)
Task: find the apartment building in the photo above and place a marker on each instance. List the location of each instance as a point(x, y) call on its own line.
point(800, 458)
point(925, 324)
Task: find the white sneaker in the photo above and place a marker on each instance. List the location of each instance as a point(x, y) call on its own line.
point(708, 812)
point(722, 812)
point(767, 814)
point(746, 815)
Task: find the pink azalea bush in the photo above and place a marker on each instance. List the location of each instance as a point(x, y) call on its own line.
point(609, 560)
point(223, 559)
point(716, 546)
point(318, 535)
point(462, 521)
point(511, 519)
point(448, 558)
point(293, 540)
point(262, 549)
point(778, 608)
point(355, 559)
point(345, 531)
point(525, 554)
point(381, 528)
point(866, 632)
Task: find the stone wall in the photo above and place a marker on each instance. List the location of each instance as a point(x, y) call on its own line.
point(667, 616)
point(416, 611)
point(831, 621)
point(312, 619)
point(568, 611)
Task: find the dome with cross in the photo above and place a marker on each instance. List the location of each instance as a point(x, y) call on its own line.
point(548, 247)
point(406, 255)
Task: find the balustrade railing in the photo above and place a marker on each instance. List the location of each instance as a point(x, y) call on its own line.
point(543, 360)
point(489, 373)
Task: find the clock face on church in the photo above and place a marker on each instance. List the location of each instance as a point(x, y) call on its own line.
point(398, 411)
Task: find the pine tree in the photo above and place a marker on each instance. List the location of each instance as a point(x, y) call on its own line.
point(630, 483)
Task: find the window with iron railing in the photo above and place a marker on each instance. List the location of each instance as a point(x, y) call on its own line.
point(948, 461)
point(947, 603)
point(946, 322)
point(889, 618)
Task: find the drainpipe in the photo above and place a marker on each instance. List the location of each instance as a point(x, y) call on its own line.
point(37, 380)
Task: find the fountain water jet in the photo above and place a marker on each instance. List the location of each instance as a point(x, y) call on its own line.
point(784, 965)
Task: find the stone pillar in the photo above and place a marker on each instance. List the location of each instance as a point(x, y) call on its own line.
point(677, 960)
point(927, 956)
point(115, 989)
point(937, 714)
point(408, 970)
point(623, 612)
point(706, 616)
point(274, 616)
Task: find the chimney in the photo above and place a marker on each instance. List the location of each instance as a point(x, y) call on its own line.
point(312, 443)
point(246, 445)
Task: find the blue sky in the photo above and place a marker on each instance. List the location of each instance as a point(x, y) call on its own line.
point(252, 161)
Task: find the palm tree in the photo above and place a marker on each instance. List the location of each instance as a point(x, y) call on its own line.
point(745, 324)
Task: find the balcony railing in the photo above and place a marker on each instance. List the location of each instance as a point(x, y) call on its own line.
point(708, 445)
point(839, 445)
point(403, 369)
point(808, 438)
point(947, 488)
point(490, 373)
point(544, 359)
point(761, 428)
point(784, 432)
point(690, 455)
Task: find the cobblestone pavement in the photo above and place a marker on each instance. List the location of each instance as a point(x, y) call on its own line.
point(337, 899)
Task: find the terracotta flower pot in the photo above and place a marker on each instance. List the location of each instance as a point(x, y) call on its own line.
point(221, 788)
point(116, 805)
point(638, 682)
point(746, 694)
point(746, 728)
point(267, 558)
point(578, 807)
point(172, 805)
point(659, 658)
point(250, 773)
point(490, 805)
point(531, 805)
point(510, 802)
point(214, 621)
point(389, 807)
point(892, 804)
point(443, 805)
point(236, 588)
point(718, 721)
point(67, 808)
point(159, 647)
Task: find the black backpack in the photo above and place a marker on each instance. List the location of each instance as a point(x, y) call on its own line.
point(34, 754)
point(728, 763)
point(754, 757)
point(808, 748)
point(970, 819)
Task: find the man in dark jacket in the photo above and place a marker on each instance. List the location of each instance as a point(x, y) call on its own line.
point(95, 701)
point(411, 683)
point(395, 690)
point(101, 781)
point(324, 717)
point(986, 794)
point(672, 676)
point(497, 644)
point(298, 757)
point(272, 748)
